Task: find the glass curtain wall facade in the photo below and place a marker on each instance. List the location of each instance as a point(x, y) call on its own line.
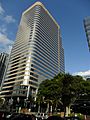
point(87, 29)
point(3, 65)
point(37, 53)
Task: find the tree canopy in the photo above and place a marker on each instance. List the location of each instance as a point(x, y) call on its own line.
point(63, 88)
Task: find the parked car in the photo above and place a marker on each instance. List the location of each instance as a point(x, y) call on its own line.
point(4, 114)
point(41, 116)
point(20, 116)
point(55, 118)
point(64, 118)
point(72, 118)
point(12, 115)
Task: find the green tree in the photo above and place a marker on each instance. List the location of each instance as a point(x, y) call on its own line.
point(50, 90)
point(72, 88)
point(62, 89)
point(1, 102)
point(43, 93)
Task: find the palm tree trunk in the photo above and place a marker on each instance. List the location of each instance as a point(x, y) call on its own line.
point(56, 108)
point(51, 108)
point(66, 111)
point(47, 110)
point(39, 109)
point(69, 109)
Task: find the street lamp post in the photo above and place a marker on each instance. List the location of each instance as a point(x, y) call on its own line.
point(17, 104)
point(28, 90)
point(85, 110)
point(10, 104)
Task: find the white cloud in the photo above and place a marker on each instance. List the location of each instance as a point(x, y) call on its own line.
point(4, 40)
point(3, 29)
point(84, 73)
point(1, 9)
point(6, 18)
point(9, 19)
point(5, 43)
point(9, 48)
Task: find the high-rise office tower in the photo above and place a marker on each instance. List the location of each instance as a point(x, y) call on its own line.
point(3, 65)
point(87, 29)
point(37, 53)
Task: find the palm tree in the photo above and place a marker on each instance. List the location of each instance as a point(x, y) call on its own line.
point(2, 100)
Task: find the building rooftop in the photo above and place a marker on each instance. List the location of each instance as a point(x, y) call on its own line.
point(40, 4)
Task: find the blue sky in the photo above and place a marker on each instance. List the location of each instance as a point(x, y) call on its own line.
point(68, 13)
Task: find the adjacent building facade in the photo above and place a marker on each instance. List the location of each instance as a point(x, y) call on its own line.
point(37, 53)
point(87, 29)
point(3, 65)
